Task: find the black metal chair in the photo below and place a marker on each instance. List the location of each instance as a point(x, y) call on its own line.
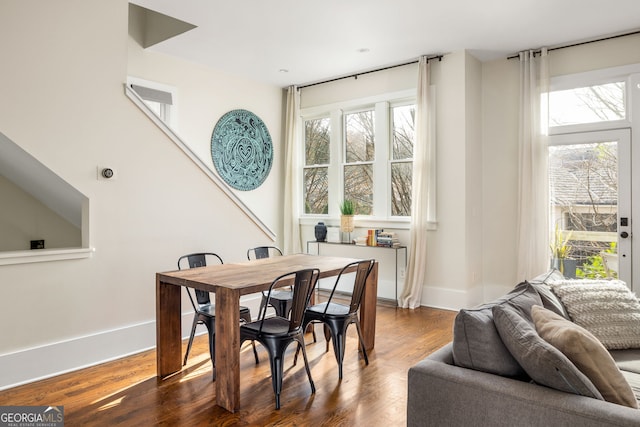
point(276, 333)
point(204, 310)
point(337, 317)
point(280, 299)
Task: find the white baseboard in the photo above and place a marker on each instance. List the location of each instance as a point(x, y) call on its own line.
point(49, 360)
point(450, 299)
point(37, 363)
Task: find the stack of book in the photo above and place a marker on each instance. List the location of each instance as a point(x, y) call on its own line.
point(387, 239)
point(378, 237)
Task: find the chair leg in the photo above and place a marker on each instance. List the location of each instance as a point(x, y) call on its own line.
point(193, 332)
point(211, 328)
point(255, 352)
point(364, 350)
point(246, 317)
point(338, 335)
point(327, 335)
point(277, 372)
point(306, 364)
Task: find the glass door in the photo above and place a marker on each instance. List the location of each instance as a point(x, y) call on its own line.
point(590, 204)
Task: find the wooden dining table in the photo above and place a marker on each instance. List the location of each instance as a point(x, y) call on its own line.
point(229, 282)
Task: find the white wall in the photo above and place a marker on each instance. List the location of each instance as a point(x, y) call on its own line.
point(63, 74)
point(203, 96)
point(24, 218)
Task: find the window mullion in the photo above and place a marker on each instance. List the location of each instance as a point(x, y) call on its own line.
point(337, 159)
point(381, 169)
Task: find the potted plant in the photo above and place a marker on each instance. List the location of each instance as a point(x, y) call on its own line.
point(347, 209)
point(560, 254)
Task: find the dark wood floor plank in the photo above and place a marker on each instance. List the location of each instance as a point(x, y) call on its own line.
point(127, 392)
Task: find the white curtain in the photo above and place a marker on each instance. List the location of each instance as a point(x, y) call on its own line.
point(533, 195)
point(291, 228)
point(423, 186)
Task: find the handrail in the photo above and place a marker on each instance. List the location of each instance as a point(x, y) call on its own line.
point(135, 98)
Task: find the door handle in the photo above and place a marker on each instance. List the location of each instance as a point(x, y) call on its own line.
point(624, 234)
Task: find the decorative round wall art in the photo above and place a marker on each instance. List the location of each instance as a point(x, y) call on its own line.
point(241, 150)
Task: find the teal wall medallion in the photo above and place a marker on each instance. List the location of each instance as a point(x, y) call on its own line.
point(241, 150)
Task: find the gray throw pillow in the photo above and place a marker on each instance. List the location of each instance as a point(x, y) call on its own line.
point(545, 364)
point(550, 301)
point(476, 343)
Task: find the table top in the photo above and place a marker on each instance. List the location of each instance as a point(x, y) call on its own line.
point(252, 276)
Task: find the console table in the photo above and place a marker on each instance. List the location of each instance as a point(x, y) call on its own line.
point(356, 247)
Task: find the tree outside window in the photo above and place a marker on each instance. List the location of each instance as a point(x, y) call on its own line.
point(316, 171)
point(403, 128)
point(359, 157)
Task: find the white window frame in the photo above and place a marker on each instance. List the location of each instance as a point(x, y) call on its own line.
point(382, 165)
point(593, 78)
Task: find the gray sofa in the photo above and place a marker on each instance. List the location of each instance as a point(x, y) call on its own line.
point(443, 394)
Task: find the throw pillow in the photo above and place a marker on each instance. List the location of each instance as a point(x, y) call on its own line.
point(549, 299)
point(476, 343)
point(606, 308)
point(544, 363)
point(587, 353)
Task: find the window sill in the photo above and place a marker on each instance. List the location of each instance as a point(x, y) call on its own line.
point(43, 255)
point(364, 222)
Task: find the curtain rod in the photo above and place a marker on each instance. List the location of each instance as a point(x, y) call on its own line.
point(581, 43)
point(438, 57)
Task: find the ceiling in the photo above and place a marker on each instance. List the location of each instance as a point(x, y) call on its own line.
point(318, 40)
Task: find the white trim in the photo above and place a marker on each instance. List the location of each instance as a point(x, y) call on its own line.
point(401, 223)
point(131, 94)
point(46, 361)
point(590, 78)
point(43, 255)
point(351, 105)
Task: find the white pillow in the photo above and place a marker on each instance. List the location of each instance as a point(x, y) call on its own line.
point(606, 308)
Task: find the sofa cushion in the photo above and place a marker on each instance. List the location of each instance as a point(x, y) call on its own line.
point(606, 308)
point(633, 380)
point(627, 360)
point(545, 364)
point(549, 299)
point(476, 343)
point(586, 353)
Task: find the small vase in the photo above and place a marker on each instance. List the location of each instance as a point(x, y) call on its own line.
point(321, 232)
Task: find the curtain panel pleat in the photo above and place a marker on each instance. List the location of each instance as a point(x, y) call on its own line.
point(533, 183)
point(422, 186)
point(291, 227)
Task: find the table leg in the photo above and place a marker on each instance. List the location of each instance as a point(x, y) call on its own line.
point(228, 349)
point(368, 309)
point(168, 329)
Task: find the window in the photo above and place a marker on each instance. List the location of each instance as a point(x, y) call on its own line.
point(316, 168)
point(590, 104)
point(363, 153)
point(158, 97)
point(359, 144)
point(401, 160)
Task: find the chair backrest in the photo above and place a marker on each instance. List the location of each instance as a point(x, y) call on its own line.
point(195, 260)
point(260, 252)
point(304, 281)
point(363, 269)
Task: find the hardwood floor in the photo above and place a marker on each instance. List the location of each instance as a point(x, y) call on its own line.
point(127, 392)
